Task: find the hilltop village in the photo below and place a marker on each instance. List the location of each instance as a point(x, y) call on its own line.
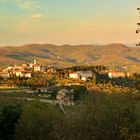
point(27, 70)
point(66, 84)
point(24, 70)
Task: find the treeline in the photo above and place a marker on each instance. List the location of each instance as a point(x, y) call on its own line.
point(98, 117)
point(38, 81)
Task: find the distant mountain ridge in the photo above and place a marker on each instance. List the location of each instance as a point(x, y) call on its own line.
point(114, 55)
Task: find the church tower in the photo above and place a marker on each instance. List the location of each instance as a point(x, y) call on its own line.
point(35, 61)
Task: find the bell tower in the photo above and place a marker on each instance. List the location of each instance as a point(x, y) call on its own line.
point(35, 61)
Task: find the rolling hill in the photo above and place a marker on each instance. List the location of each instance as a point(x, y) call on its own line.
point(114, 55)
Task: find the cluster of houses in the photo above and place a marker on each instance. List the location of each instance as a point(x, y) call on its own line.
point(25, 70)
point(81, 75)
point(85, 75)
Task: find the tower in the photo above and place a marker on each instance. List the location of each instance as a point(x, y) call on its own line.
point(35, 61)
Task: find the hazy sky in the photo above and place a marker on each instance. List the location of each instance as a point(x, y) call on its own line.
point(68, 21)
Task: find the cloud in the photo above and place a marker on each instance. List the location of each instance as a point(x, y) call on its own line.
point(25, 4)
point(29, 5)
point(33, 7)
point(37, 16)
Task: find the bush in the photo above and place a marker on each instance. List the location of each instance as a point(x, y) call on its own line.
point(8, 119)
point(102, 117)
point(37, 122)
point(79, 92)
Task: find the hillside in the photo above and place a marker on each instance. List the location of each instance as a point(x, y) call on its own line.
point(114, 55)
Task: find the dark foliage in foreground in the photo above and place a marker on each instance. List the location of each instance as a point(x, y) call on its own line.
point(8, 119)
point(99, 117)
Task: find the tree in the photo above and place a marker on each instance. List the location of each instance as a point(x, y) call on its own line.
point(8, 119)
point(37, 122)
point(94, 79)
point(79, 92)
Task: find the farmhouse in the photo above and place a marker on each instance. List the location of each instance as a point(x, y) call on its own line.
point(65, 95)
point(74, 75)
point(5, 74)
point(116, 74)
point(19, 73)
point(83, 75)
point(86, 74)
point(27, 74)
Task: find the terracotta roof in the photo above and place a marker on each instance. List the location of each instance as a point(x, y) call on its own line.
point(36, 65)
point(117, 72)
point(25, 67)
point(19, 71)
